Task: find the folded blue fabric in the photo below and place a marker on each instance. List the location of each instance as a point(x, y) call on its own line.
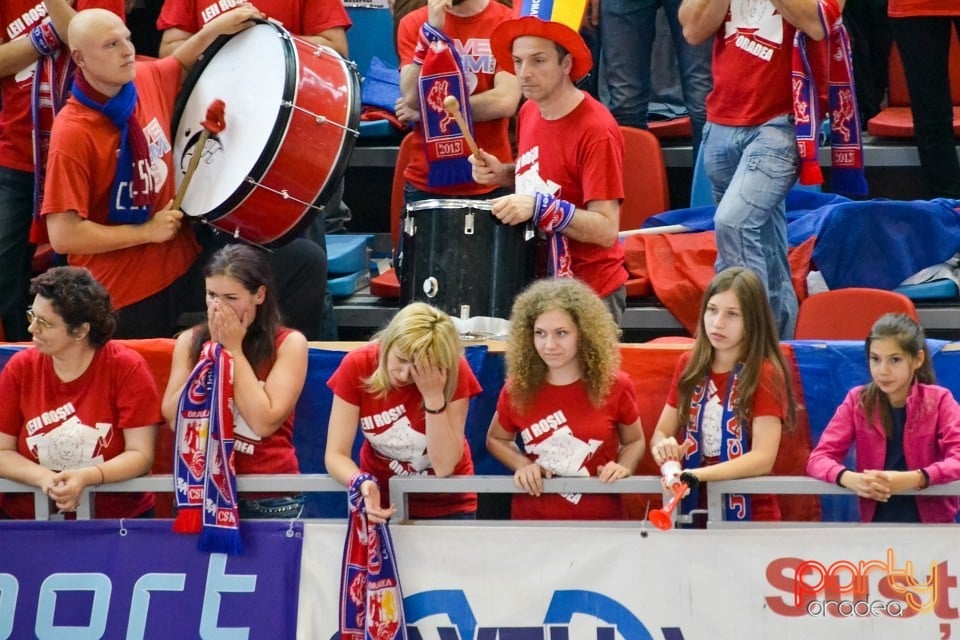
point(381, 85)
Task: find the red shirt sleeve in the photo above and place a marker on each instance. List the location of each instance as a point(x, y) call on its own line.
point(770, 397)
point(138, 405)
point(408, 33)
point(467, 385)
point(320, 15)
point(346, 382)
point(116, 6)
point(11, 418)
point(179, 14)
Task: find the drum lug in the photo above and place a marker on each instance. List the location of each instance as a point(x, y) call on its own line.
point(528, 233)
point(409, 226)
point(431, 287)
point(468, 224)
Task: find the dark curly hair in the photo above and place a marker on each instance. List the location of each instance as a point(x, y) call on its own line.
point(79, 299)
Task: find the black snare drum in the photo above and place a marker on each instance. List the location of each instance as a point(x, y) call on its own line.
point(459, 258)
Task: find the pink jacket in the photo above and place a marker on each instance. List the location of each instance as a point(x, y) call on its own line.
point(931, 441)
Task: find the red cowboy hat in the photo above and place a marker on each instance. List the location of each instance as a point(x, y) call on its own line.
point(501, 41)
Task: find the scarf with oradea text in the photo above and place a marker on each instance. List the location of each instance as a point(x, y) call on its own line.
point(204, 475)
point(846, 144)
point(371, 602)
point(132, 186)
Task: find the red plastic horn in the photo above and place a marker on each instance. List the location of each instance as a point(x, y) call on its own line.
point(660, 518)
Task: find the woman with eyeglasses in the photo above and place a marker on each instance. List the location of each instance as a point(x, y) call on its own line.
point(76, 409)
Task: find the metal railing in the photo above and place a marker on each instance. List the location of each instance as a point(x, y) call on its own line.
point(297, 483)
point(401, 487)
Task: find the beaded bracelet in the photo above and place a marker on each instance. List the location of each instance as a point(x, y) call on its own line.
point(435, 411)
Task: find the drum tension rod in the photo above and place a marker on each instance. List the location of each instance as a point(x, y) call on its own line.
point(320, 119)
point(283, 193)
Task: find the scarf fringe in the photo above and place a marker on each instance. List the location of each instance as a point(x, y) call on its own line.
point(188, 520)
point(219, 540)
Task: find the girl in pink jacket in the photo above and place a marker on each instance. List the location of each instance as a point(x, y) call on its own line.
point(905, 427)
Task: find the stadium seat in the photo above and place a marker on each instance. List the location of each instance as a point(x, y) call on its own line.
point(848, 314)
point(645, 189)
point(896, 121)
point(670, 129)
point(387, 285)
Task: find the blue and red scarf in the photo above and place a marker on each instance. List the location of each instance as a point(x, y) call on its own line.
point(733, 444)
point(440, 76)
point(371, 601)
point(846, 144)
point(204, 475)
point(51, 88)
point(131, 196)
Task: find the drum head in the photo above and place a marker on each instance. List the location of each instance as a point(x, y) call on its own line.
point(250, 72)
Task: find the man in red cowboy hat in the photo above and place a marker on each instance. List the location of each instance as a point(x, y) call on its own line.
point(568, 176)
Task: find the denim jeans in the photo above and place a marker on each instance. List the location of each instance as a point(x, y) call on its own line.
point(16, 252)
point(751, 169)
point(627, 32)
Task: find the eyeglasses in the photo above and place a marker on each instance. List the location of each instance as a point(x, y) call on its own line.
point(42, 324)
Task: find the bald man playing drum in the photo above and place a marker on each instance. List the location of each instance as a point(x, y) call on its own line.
point(109, 181)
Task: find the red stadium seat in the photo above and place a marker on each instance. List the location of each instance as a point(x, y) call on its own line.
point(896, 121)
point(645, 190)
point(386, 285)
point(672, 128)
point(848, 314)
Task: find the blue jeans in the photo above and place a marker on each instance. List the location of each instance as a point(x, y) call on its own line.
point(627, 32)
point(751, 169)
point(16, 252)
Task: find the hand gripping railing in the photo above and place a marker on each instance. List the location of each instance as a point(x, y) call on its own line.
point(271, 483)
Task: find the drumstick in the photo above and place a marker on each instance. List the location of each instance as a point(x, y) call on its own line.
point(655, 231)
point(214, 123)
point(452, 105)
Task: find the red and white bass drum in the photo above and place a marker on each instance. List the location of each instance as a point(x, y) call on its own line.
point(292, 117)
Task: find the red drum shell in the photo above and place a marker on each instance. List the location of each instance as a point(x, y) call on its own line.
point(292, 115)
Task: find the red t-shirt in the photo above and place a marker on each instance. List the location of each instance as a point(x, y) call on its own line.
point(394, 429)
point(752, 64)
point(565, 433)
point(299, 17)
point(914, 8)
point(578, 158)
point(275, 453)
point(18, 18)
point(71, 425)
point(80, 172)
point(471, 36)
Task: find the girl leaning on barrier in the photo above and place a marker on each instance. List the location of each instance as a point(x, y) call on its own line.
point(906, 430)
point(76, 409)
point(269, 371)
point(408, 391)
point(566, 398)
point(730, 397)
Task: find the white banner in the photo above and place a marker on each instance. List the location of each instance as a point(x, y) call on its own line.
point(510, 582)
